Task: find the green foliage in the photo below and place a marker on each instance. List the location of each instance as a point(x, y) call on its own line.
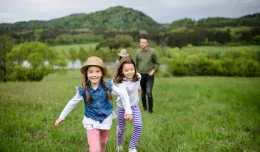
point(194, 61)
point(73, 55)
point(74, 46)
point(74, 39)
point(103, 26)
point(256, 39)
point(6, 44)
point(113, 18)
point(116, 42)
point(61, 59)
point(82, 55)
point(186, 22)
point(40, 61)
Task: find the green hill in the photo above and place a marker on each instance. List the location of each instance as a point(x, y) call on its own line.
point(117, 17)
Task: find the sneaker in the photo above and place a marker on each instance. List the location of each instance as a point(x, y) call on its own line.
point(132, 150)
point(119, 148)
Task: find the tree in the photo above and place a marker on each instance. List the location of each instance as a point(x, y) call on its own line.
point(82, 55)
point(38, 56)
point(6, 44)
point(73, 55)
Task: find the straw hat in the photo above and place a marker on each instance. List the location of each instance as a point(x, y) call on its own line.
point(123, 53)
point(93, 60)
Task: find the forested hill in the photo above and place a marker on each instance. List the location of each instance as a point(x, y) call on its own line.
point(252, 20)
point(117, 17)
point(122, 18)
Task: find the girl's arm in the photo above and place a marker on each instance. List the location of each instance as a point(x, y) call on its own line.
point(121, 91)
point(68, 108)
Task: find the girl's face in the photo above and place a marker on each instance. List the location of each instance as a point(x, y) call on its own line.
point(128, 70)
point(94, 75)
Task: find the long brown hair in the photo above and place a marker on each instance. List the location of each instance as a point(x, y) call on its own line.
point(86, 82)
point(118, 78)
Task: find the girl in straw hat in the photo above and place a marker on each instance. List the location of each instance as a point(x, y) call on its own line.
point(95, 93)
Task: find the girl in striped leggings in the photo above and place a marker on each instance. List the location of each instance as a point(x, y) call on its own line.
point(127, 79)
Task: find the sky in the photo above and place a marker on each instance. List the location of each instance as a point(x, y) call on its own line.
point(162, 11)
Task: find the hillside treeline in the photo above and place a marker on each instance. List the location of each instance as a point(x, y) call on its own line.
point(31, 61)
point(27, 48)
point(104, 25)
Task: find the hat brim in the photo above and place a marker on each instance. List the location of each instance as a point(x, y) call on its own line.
point(83, 69)
point(123, 55)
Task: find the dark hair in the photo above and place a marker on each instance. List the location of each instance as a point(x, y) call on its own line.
point(85, 83)
point(143, 35)
point(118, 78)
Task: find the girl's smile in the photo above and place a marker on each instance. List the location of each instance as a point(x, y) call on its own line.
point(94, 74)
point(128, 70)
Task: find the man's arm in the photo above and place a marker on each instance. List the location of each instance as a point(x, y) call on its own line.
point(136, 60)
point(155, 60)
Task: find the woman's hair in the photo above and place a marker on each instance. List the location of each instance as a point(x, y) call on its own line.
point(118, 78)
point(120, 57)
point(86, 82)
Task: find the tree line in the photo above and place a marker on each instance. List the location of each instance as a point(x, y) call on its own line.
point(32, 61)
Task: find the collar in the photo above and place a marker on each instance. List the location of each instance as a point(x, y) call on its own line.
point(127, 79)
point(91, 90)
point(143, 50)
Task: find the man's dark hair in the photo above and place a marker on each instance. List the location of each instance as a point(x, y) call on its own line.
point(143, 34)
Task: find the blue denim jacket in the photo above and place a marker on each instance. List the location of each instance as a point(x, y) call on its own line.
point(100, 107)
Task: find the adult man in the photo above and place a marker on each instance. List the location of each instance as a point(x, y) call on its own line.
point(147, 63)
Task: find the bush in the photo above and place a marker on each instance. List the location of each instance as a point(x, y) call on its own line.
point(231, 62)
point(19, 74)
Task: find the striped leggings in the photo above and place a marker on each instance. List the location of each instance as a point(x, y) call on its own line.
point(137, 125)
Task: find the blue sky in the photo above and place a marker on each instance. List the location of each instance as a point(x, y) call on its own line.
point(162, 11)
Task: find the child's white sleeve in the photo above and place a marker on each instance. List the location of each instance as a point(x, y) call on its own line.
point(70, 106)
point(121, 91)
point(140, 77)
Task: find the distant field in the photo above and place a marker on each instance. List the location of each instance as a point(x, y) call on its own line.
point(236, 29)
point(223, 48)
point(77, 46)
point(205, 114)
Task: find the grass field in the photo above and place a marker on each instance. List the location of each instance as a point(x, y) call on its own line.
point(211, 114)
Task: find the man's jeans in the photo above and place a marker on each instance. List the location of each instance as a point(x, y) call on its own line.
point(147, 86)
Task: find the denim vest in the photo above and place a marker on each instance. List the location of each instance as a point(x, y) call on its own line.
point(100, 107)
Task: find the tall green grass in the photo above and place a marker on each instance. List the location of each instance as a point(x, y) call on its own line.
point(190, 114)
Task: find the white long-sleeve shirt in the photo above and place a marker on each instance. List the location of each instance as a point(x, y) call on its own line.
point(132, 91)
point(88, 122)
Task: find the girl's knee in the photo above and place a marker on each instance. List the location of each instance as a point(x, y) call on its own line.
point(120, 129)
point(104, 141)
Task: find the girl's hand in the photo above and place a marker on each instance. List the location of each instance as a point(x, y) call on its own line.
point(139, 91)
point(128, 117)
point(58, 122)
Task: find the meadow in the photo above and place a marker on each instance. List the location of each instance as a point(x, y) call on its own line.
point(211, 114)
